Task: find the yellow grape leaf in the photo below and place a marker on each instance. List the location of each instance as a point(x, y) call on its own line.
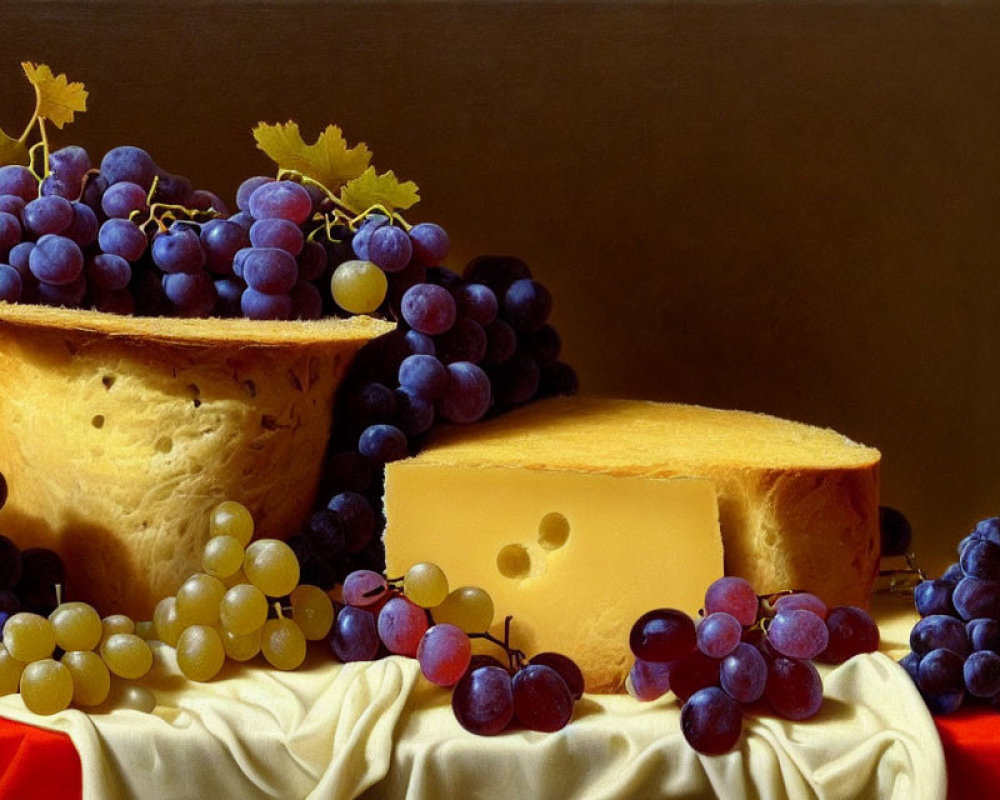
point(13, 151)
point(370, 190)
point(58, 99)
point(328, 161)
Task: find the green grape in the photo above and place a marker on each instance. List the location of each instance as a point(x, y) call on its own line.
point(243, 609)
point(145, 629)
point(230, 518)
point(468, 607)
point(235, 579)
point(46, 687)
point(223, 556)
point(312, 609)
point(198, 600)
point(77, 626)
point(10, 671)
point(126, 655)
point(272, 567)
point(358, 286)
point(200, 654)
point(132, 696)
point(117, 623)
point(283, 644)
point(29, 637)
point(241, 648)
point(91, 679)
point(165, 621)
point(425, 584)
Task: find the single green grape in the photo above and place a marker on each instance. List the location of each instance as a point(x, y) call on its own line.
point(29, 637)
point(200, 654)
point(358, 286)
point(145, 629)
point(241, 648)
point(271, 566)
point(243, 609)
point(46, 687)
point(223, 556)
point(126, 655)
point(10, 671)
point(425, 584)
point(165, 621)
point(116, 623)
point(77, 626)
point(91, 678)
point(283, 644)
point(135, 697)
point(468, 607)
point(312, 609)
point(198, 600)
point(230, 518)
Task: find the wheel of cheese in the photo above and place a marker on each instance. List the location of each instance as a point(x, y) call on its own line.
point(119, 434)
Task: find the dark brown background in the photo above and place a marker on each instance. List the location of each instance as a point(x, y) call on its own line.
point(788, 207)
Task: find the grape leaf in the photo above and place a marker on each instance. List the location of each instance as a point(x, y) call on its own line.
point(370, 189)
point(58, 99)
point(13, 151)
point(328, 161)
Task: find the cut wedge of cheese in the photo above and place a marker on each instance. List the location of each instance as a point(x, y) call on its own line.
point(798, 508)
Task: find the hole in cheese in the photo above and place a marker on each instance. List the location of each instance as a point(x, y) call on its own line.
point(553, 531)
point(164, 444)
point(513, 561)
point(97, 421)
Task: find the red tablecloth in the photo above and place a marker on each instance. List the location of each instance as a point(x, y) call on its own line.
point(38, 763)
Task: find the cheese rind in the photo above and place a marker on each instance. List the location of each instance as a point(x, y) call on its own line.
point(574, 557)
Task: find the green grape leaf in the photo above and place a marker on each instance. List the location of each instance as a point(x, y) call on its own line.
point(328, 161)
point(385, 190)
point(13, 151)
point(58, 99)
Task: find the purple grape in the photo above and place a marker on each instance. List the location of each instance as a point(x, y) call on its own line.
point(941, 672)
point(122, 199)
point(743, 673)
point(988, 529)
point(84, 226)
point(61, 294)
point(10, 231)
point(801, 600)
point(852, 632)
point(20, 181)
point(414, 414)
point(527, 305)
point(501, 342)
point(981, 673)
point(692, 672)
point(711, 721)
point(420, 343)
point(664, 634)
point(389, 248)
point(542, 700)
point(483, 701)
point(430, 243)
point(981, 559)
point(13, 205)
point(360, 240)
point(368, 404)
point(424, 376)
point(204, 200)
point(939, 631)
point(312, 261)
point(56, 260)
point(649, 679)
point(51, 214)
point(131, 164)
point(280, 200)
point(257, 305)
point(798, 633)
point(476, 301)
point(280, 233)
point(428, 308)
point(718, 634)
point(383, 443)
point(515, 381)
point(465, 340)
point(178, 249)
point(497, 272)
point(953, 574)
point(173, 189)
point(70, 165)
point(444, 277)
point(346, 471)
point(357, 516)
point(10, 284)
point(567, 668)
point(984, 634)
point(974, 597)
point(19, 258)
point(244, 219)
point(735, 596)
point(444, 654)
point(468, 396)
point(52, 186)
point(221, 239)
point(239, 259)
point(364, 587)
point(895, 531)
point(108, 272)
point(193, 294)
point(947, 703)
point(354, 636)
point(41, 571)
point(794, 688)
point(544, 345)
point(401, 624)
point(911, 663)
point(247, 188)
point(933, 597)
point(307, 302)
point(123, 238)
point(270, 270)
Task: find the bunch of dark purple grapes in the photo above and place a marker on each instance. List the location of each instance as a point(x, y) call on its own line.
point(28, 578)
point(421, 619)
point(954, 656)
point(744, 650)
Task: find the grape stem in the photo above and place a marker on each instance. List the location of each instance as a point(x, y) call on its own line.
point(515, 657)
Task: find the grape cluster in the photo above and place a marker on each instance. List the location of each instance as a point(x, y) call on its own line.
point(954, 655)
point(743, 650)
point(248, 600)
point(421, 618)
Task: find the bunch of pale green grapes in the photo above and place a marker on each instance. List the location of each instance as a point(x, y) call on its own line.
point(225, 611)
point(92, 651)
